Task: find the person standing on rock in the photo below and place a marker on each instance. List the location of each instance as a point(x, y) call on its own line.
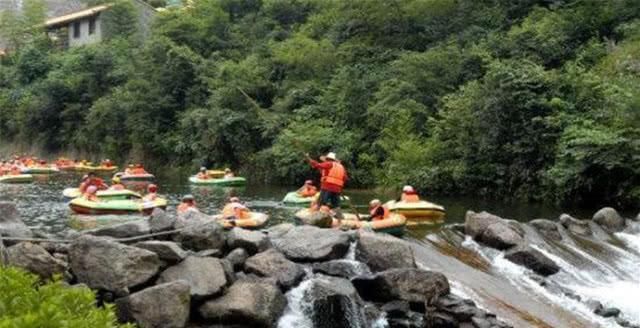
point(332, 181)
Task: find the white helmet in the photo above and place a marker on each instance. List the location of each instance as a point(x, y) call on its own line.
point(331, 156)
point(407, 188)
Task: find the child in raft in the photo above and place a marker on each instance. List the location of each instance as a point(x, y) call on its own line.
point(409, 195)
point(377, 211)
point(91, 194)
point(202, 175)
point(234, 210)
point(117, 185)
point(308, 190)
point(152, 193)
point(188, 204)
point(228, 173)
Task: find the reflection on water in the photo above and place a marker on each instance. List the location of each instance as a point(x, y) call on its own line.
point(42, 205)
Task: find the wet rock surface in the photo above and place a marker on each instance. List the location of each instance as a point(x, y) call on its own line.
point(163, 305)
point(609, 219)
point(533, 259)
point(34, 259)
point(382, 252)
point(307, 243)
point(204, 275)
point(273, 264)
point(10, 223)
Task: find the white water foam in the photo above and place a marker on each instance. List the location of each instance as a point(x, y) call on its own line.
point(295, 315)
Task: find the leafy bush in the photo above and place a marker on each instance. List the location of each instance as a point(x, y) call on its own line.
point(25, 303)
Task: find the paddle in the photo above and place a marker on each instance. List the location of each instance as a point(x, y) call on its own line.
point(353, 208)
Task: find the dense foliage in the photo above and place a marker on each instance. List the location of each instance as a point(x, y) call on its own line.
point(535, 99)
point(25, 303)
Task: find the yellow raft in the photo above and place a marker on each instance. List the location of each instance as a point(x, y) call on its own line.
point(215, 174)
point(393, 225)
point(103, 194)
point(254, 221)
point(16, 178)
point(420, 212)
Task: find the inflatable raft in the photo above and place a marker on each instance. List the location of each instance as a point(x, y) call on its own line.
point(16, 178)
point(421, 212)
point(256, 220)
point(81, 205)
point(103, 194)
point(40, 170)
point(94, 168)
point(137, 177)
point(215, 174)
point(393, 225)
point(224, 182)
point(294, 198)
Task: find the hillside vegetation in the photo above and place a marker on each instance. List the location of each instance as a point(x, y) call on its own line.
point(534, 99)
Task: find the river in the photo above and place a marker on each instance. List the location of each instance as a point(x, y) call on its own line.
point(604, 270)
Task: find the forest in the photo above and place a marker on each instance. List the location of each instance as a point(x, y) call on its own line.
point(530, 99)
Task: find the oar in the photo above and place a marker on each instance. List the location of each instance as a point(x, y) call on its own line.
point(353, 208)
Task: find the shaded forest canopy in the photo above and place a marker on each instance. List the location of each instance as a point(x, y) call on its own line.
point(534, 99)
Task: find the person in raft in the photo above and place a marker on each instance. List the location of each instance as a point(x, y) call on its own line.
point(377, 211)
point(188, 204)
point(202, 175)
point(152, 193)
point(308, 190)
point(228, 173)
point(409, 195)
point(334, 177)
point(116, 184)
point(92, 180)
point(129, 169)
point(234, 210)
point(91, 194)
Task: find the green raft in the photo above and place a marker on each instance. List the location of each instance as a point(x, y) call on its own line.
point(103, 194)
point(224, 182)
point(40, 170)
point(293, 198)
point(16, 178)
point(81, 205)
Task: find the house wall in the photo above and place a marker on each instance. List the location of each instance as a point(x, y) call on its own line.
point(84, 37)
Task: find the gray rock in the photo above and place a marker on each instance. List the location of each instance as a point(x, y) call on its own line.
point(34, 259)
point(3, 253)
point(197, 237)
point(547, 228)
point(165, 305)
point(500, 235)
point(609, 219)
point(273, 264)
point(167, 251)
point(10, 223)
point(307, 243)
point(252, 241)
point(279, 230)
point(335, 303)
point(411, 285)
point(637, 218)
point(575, 226)
point(205, 275)
point(228, 271)
point(594, 306)
point(480, 322)
point(318, 219)
point(533, 259)
point(161, 221)
point(192, 218)
point(608, 312)
point(476, 223)
point(104, 264)
point(255, 304)
point(209, 253)
point(342, 268)
point(237, 257)
point(123, 230)
point(382, 252)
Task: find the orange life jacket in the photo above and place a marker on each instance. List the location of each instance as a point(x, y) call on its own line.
point(236, 210)
point(410, 198)
point(117, 186)
point(183, 207)
point(336, 175)
point(202, 176)
point(308, 191)
point(384, 216)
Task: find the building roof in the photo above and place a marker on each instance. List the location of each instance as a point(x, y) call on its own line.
point(62, 20)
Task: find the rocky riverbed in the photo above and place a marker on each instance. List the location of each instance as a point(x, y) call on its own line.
point(194, 273)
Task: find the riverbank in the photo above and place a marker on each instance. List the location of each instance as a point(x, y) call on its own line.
point(311, 277)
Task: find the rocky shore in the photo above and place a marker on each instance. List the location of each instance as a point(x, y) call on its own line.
point(198, 274)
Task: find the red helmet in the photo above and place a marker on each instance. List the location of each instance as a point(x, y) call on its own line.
point(152, 188)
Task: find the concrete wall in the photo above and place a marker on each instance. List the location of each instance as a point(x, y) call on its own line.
point(84, 37)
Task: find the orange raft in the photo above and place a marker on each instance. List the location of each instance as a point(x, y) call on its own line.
point(393, 225)
point(254, 221)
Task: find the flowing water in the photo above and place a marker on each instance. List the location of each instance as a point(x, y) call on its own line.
point(606, 268)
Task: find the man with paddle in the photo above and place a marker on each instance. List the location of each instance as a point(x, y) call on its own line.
point(334, 177)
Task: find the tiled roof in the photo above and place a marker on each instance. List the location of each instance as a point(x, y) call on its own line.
point(64, 19)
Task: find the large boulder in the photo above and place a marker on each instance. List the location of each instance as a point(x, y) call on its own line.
point(318, 219)
point(123, 230)
point(609, 219)
point(193, 217)
point(253, 304)
point(101, 263)
point(201, 236)
point(273, 264)
point(307, 243)
point(165, 305)
point(335, 303)
point(167, 251)
point(279, 230)
point(10, 223)
point(476, 223)
point(342, 268)
point(252, 241)
point(578, 227)
point(205, 275)
point(161, 221)
point(411, 285)
point(382, 252)
point(547, 228)
point(34, 259)
point(532, 259)
point(500, 235)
